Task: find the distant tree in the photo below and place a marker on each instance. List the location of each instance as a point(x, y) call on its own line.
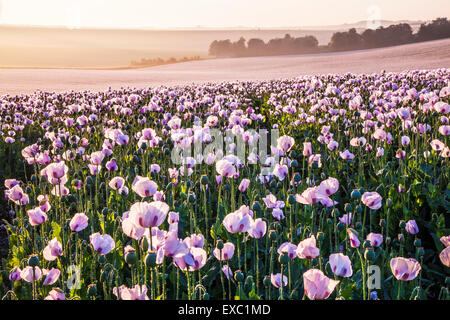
point(437, 29)
point(350, 40)
point(256, 47)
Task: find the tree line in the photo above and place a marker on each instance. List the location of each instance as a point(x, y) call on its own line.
point(340, 41)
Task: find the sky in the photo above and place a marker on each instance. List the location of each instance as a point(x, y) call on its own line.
point(165, 14)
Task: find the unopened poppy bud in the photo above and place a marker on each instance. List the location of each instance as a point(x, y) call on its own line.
point(369, 254)
point(329, 222)
point(89, 180)
point(335, 213)
point(417, 243)
point(341, 226)
point(389, 202)
point(256, 206)
point(320, 236)
point(92, 290)
point(283, 258)
point(219, 244)
point(33, 261)
point(101, 259)
point(238, 276)
point(359, 209)
point(105, 211)
point(402, 224)
point(272, 235)
point(204, 180)
point(266, 281)
point(383, 223)
point(294, 163)
point(150, 260)
point(130, 258)
point(145, 244)
point(297, 177)
point(206, 296)
point(248, 282)
point(291, 199)
point(191, 197)
point(420, 251)
point(34, 178)
point(348, 207)
point(355, 194)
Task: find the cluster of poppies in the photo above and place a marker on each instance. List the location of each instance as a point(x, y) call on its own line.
point(349, 201)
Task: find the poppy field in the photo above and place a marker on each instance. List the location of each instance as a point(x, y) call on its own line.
point(312, 188)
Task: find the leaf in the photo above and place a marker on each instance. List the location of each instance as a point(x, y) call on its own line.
point(56, 231)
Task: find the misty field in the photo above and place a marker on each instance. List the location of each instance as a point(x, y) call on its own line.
point(315, 187)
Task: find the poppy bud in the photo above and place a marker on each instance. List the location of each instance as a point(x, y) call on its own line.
point(283, 258)
point(389, 202)
point(89, 180)
point(256, 206)
point(248, 282)
point(219, 244)
point(417, 243)
point(355, 194)
point(420, 251)
point(105, 211)
point(348, 207)
point(130, 258)
point(34, 178)
point(291, 199)
point(101, 259)
point(369, 254)
point(294, 163)
point(92, 290)
point(329, 222)
point(402, 224)
point(272, 235)
point(150, 260)
point(359, 209)
point(206, 296)
point(33, 261)
point(383, 223)
point(366, 244)
point(238, 276)
point(204, 179)
point(297, 177)
point(191, 197)
point(341, 226)
point(266, 281)
point(144, 244)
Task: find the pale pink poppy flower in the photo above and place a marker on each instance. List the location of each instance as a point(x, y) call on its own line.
point(130, 228)
point(111, 165)
point(225, 168)
point(280, 171)
point(55, 294)
point(227, 252)
point(116, 183)
point(96, 158)
point(307, 149)
point(53, 250)
point(144, 187)
point(51, 276)
point(79, 222)
point(27, 274)
point(444, 256)
point(307, 248)
point(55, 172)
point(317, 285)
point(442, 107)
point(9, 183)
point(346, 219)
point(271, 202)
point(285, 143)
point(288, 248)
point(199, 258)
point(195, 241)
point(333, 145)
point(257, 228)
point(244, 185)
point(17, 195)
point(309, 196)
point(411, 227)
point(341, 265)
point(103, 244)
point(401, 154)
point(380, 152)
point(346, 155)
point(155, 168)
point(278, 214)
point(445, 240)
point(239, 220)
point(136, 293)
point(358, 142)
point(227, 271)
point(275, 279)
point(372, 200)
point(315, 158)
point(437, 145)
point(14, 274)
point(405, 269)
point(36, 216)
point(328, 186)
point(173, 247)
point(354, 241)
point(375, 239)
point(174, 217)
point(444, 130)
point(148, 215)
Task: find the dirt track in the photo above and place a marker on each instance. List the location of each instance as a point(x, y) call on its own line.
point(426, 55)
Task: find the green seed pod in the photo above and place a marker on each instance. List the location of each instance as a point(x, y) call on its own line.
point(369, 254)
point(33, 261)
point(101, 259)
point(219, 244)
point(266, 281)
point(150, 260)
point(341, 226)
point(206, 296)
point(402, 224)
point(320, 236)
point(248, 282)
point(283, 258)
point(359, 209)
point(239, 276)
point(417, 242)
point(291, 199)
point(131, 258)
point(356, 194)
point(420, 251)
point(348, 207)
point(366, 244)
point(272, 235)
point(204, 180)
point(105, 211)
point(297, 177)
point(256, 206)
point(92, 290)
point(383, 223)
point(294, 164)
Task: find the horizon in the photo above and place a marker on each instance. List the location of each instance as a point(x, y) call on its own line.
point(200, 14)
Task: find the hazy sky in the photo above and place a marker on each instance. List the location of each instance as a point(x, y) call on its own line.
point(213, 13)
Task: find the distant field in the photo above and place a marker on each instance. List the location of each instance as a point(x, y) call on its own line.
point(426, 55)
point(64, 48)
